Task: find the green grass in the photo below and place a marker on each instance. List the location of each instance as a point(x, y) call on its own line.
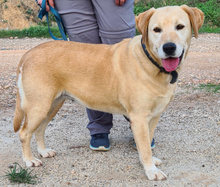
point(214, 88)
point(38, 31)
point(19, 175)
point(209, 29)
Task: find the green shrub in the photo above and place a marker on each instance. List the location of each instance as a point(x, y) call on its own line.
point(211, 10)
point(143, 5)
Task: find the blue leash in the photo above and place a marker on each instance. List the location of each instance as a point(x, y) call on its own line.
point(59, 21)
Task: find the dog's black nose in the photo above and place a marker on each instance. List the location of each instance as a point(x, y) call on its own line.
point(169, 48)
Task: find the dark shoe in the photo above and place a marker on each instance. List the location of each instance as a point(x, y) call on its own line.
point(100, 142)
point(152, 144)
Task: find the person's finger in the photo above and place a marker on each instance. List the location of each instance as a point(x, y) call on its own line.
point(117, 2)
point(47, 7)
point(39, 2)
point(122, 2)
point(51, 3)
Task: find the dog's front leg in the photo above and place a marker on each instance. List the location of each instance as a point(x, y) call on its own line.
point(140, 128)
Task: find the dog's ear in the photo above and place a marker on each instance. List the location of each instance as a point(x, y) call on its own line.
point(142, 21)
point(196, 17)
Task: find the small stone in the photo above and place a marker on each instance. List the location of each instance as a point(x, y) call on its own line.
point(10, 166)
point(73, 171)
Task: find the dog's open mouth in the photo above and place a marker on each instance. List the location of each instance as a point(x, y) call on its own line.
point(171, 64)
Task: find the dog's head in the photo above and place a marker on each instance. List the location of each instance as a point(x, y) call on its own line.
point(167, 32)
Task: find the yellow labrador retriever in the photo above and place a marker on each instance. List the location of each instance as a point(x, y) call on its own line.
point(136, 77)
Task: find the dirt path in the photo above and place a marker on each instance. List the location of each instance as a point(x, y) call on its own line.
point(187, 137)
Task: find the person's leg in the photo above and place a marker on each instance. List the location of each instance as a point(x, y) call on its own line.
point(79, 20)
point(81, 25)
point(99, 122)
point(115, 22)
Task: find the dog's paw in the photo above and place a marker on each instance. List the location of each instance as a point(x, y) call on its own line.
point(47, 153)
point(33, 162)
point(156, 161)
point(156, 174)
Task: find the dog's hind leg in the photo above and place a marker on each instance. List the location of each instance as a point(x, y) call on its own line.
point(25, 137)
point(34, 116)
point(39, 133)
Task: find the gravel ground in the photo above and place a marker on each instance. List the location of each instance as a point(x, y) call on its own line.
point(187, 137)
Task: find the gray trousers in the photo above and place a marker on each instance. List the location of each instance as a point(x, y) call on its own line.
point(97, 21)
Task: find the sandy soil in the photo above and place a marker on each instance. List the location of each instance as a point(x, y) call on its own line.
point(187, 137)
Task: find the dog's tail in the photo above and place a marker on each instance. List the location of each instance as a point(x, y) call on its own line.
point(19, 113)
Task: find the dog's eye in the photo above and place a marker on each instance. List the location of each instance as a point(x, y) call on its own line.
point(157, 29)
point(179, 27)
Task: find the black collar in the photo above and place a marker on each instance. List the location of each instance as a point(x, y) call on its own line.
point(174, 74)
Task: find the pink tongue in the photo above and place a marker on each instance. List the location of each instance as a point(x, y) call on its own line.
point(170, 64)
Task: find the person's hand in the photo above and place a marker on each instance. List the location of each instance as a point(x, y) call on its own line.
point(120, 2)
point(48, 2)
